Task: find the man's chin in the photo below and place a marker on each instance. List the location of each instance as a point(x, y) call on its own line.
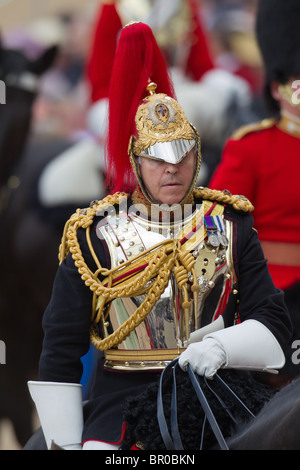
point(173, 198)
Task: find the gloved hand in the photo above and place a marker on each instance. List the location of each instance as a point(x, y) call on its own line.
point(249, 345)
point(204, 357)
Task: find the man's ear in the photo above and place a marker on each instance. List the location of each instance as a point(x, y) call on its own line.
point(138, 165)
point(274, 90)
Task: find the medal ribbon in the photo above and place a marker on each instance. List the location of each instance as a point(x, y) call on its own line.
point(213, 223)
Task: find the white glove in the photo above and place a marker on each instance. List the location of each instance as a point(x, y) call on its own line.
point(249, 345)
point(205, 357)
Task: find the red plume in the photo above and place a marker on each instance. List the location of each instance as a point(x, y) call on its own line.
point(138, 60)
point(103, 50)
point(200, 59)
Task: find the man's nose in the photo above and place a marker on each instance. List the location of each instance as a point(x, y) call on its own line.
point(170, 168)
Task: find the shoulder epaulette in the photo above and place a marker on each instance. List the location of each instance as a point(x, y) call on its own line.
point(238, 202)
point(83, 218)
point(254, 127)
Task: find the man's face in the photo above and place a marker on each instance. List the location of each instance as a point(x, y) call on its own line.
point(166, 183)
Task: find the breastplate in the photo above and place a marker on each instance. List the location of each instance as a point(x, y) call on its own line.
point(165, 331)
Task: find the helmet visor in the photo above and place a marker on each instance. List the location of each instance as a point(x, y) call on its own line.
point(169, 152)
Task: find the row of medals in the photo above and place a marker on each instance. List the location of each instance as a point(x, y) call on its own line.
point(217, 242)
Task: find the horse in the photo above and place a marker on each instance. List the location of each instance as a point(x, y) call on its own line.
point(30, 231)
point(21, 77)
point(276, 427)
point(268, 419)
point(249, 416)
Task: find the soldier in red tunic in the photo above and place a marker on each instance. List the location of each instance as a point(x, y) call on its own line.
point(262, 162)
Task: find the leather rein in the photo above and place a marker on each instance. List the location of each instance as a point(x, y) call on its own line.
point(172, 440)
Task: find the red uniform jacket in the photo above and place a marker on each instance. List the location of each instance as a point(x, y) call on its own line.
point(262, 162)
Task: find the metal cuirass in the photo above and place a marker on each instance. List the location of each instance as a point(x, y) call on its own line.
point(165, 331)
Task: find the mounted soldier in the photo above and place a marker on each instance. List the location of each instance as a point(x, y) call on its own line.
point(156, 270)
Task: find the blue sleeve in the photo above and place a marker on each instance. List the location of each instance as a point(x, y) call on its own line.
point(259, 299)
point(66, 321)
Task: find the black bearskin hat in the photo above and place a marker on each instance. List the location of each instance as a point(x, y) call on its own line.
point(278, 36)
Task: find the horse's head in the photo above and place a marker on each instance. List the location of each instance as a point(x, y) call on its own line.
point(17, 71)
point(19, 80)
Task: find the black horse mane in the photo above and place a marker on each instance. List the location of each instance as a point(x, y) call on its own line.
point(142, 424)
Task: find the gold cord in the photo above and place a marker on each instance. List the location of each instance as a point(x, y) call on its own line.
point(162, 259)
point(240, 203)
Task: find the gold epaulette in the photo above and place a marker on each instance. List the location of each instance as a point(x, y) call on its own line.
point(83, 218)
point(238, 202)
point(256, 126)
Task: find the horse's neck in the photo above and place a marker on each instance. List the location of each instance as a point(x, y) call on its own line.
point(15, 120)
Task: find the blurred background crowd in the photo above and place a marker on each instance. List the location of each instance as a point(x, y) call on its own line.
point(64, 96)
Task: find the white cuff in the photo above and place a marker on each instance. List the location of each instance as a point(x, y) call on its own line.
point(59, 406)
point(250, 345)
point(198, 335)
